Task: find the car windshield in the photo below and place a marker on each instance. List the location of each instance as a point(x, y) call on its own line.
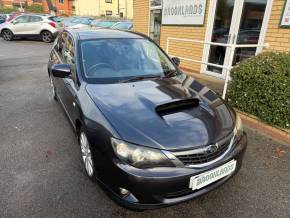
point(81, 21)
point(103, 23)
point(117, 60)
point(122, 26)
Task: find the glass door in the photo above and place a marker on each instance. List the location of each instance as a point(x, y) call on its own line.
point(155, 20)
point(252, 17)
point(155, 25)
point(235, 21)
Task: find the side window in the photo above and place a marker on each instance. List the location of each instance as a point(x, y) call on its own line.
point(22, 19)
point(68, 54)
point(61, 42)
point(68, 51)
point(35, 19)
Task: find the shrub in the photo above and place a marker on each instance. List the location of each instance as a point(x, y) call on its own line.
point(35, 8)
point(261, 86)
point(7, 10)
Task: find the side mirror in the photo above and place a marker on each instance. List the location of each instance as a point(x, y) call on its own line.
point(176, 60)
point(14, 22)
point(61, 70)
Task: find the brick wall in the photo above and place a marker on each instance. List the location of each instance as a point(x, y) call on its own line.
point(141, 15)
point(278, 38)
point(182, 49)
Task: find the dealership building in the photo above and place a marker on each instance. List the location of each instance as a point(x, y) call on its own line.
point(210, 36)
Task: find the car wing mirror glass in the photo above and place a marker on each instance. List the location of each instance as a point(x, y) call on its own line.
point(61, 70)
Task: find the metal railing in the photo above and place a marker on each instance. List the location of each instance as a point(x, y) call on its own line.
point(228, 67)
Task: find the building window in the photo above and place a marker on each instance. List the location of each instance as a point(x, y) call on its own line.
point(108, 1)
point(155, 3)
point(109, 13)
point(61, 1)
point(61, 11)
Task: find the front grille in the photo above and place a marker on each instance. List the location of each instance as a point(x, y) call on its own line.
point(204, 156)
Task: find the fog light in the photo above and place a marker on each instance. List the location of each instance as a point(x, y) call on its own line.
point(124, 191)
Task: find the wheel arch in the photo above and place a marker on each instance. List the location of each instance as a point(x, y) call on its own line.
point(4, 30)
point(44, 30)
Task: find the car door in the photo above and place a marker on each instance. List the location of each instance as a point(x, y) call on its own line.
point(70, 87)
point(33, 27)
point(19, 25)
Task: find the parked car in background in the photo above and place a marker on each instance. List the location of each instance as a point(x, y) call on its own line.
point(103, 23)
point(30, 25)
point(5, 16)
point(123, 25)
point(150, 134)
point(13, 15)
point(2, 20)
point(78, 22)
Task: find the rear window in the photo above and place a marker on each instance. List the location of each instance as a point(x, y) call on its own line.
point(55, 19)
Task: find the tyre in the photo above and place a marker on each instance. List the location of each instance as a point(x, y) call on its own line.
point(52, 87)
point(7, 35)
point(46, 36)
point(87, 156)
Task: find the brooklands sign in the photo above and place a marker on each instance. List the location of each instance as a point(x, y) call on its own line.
point(183, 12)
point(285, 19)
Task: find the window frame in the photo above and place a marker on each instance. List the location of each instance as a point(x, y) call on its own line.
point(31, 16)
point(109, 14)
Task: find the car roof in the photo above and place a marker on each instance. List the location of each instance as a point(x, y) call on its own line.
point(104, 33)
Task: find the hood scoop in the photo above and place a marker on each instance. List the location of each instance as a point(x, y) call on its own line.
point(176, 106)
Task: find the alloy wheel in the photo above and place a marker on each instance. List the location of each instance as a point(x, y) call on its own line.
point(7, 35)
point(46, 36)
point(86, 154)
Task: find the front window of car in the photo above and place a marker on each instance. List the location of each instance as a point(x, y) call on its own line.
point(117, 60)
point(22, 19)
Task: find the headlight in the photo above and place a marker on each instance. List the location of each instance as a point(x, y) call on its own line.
point(239, 129)
point(140, 157)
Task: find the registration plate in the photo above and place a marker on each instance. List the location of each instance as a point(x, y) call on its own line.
point(204, 179)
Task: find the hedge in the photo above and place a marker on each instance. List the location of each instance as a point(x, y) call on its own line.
point(7, 10)
point(35, 8)
point(261, 86)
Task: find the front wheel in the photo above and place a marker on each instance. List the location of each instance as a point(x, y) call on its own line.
point(46, 36)
point(7, 35)
point(87, 156)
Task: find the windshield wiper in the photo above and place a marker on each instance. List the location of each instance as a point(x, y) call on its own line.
point(170, 73)
point(136, 78)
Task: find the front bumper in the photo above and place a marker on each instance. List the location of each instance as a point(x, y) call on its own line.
point(161, 187)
